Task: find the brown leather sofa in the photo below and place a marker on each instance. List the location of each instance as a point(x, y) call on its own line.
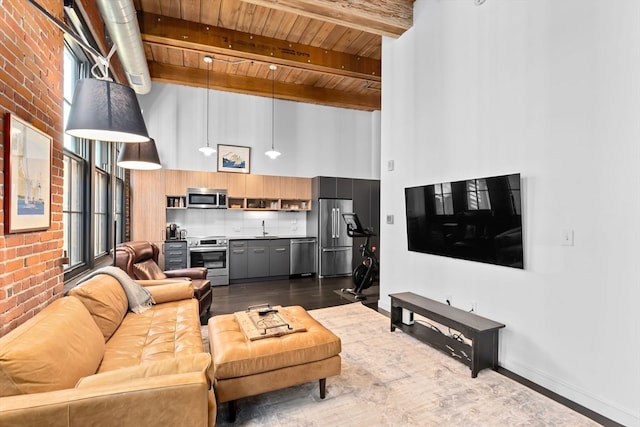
point(86, 360)
point(140, 261)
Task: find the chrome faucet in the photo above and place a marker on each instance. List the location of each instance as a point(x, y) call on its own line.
point(264, 232)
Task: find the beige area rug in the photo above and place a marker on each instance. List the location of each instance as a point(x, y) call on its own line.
point(391, 379)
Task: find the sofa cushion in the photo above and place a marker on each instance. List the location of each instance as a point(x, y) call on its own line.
point(105, 299)
point(148, 270)
point(165, 331)
point(198, 362)
point(50, 351)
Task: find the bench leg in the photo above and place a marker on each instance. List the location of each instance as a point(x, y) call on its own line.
point(323, 387)
point(233, 408)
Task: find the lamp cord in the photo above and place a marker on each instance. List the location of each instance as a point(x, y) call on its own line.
point(207, 118)
point(273, 107)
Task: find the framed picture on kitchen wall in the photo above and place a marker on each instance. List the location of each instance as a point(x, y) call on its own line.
point(27, 177)
point(232, 158)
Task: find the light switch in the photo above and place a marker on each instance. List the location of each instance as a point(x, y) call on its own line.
point(567, 237)
point(390, 165)
point(389, 219)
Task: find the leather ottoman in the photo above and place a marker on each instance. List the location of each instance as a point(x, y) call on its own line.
point(242, 367)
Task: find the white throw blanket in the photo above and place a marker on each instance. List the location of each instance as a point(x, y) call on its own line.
point(139, 298)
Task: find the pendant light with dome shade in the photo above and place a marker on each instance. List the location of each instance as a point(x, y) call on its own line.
point(273, 154)
point(207, 150)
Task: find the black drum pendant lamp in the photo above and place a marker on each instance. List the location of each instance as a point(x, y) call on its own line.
point(101, 109)
point(140, 156)
point(106, 111)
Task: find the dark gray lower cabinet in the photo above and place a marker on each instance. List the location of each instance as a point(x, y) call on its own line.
point(175, 254)
point(279, 257)
point(261, 258)
point(238, 259)
point(258, 259)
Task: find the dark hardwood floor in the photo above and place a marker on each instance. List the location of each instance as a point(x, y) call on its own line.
point(308, 292)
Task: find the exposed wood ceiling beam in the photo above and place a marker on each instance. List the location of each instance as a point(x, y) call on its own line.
point(262, 87)
point(384, 17)
point(178, 33)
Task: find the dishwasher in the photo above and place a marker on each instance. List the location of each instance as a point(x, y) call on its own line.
point(303, 256)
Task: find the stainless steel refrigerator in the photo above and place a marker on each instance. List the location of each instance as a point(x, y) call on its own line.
point(334, 245)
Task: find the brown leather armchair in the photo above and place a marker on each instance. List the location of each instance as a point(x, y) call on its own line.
point(140, 261)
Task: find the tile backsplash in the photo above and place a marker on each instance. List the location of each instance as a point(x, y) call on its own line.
point(237, 223)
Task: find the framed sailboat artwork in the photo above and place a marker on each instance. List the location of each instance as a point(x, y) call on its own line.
point(27, 172)
point(232, 158)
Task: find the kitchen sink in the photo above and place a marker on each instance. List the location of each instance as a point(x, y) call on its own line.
point(266, 237)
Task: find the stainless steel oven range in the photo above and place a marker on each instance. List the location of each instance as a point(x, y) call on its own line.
point(211, 253)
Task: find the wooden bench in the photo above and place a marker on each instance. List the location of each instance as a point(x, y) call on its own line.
point(483, 333)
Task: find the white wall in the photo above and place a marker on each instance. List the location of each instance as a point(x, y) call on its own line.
point(549, 89)
point(314, 140)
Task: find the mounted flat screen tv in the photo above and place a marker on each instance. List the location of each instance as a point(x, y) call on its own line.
point(476, 219)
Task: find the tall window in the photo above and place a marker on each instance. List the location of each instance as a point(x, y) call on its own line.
point(100, 213)
point(119, 205)
point(73, 212)
point(71, 76)
point(93, 187)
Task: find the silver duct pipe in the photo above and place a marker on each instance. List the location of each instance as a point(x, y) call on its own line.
point(120, 19)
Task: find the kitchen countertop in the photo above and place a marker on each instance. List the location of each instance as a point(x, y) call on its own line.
point(268, 237)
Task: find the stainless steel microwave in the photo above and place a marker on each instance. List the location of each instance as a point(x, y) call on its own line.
point(206, 198)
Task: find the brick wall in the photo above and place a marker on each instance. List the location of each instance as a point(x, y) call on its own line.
point(31, 72)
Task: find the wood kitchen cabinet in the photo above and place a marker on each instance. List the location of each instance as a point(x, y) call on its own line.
point(153, 192)
point(266, 192)
point(177, 181)
point(256, 195)
point(236, 184)
point(148, 197)
point(295, 193)
point(289, 187)
point(254, 186)
point(303, 188)
point(271, 186)
point(294, 188)
point(217, 180)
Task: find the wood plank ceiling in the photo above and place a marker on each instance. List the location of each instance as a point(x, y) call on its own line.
point(326, 51)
